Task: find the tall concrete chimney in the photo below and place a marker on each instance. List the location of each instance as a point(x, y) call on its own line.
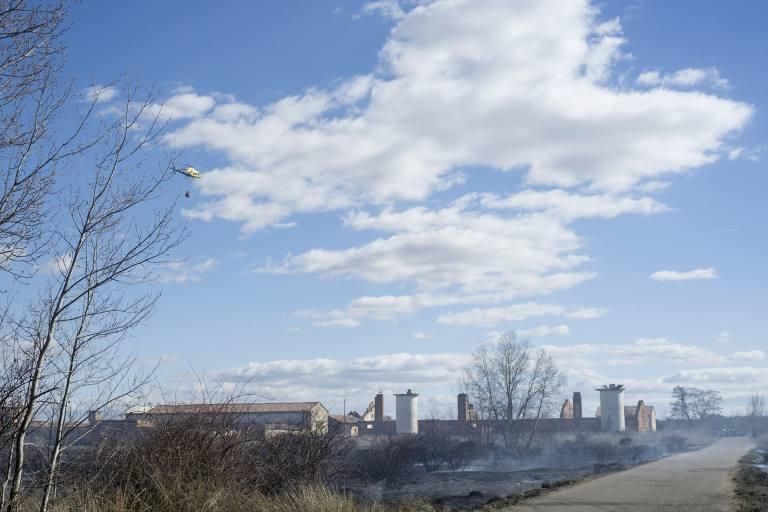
point(378, 411)
point(463, 405)
point(612, 408)
point(406, 413)
point(577, 405)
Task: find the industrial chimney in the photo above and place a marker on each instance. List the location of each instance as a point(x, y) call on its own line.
point(407, 419)
point(378, 412)
point(577, 405)
point(463, 405)
point(612, 408)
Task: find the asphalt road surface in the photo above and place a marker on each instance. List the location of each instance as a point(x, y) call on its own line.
point(694, 481)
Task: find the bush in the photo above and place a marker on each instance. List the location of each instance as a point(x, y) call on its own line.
point(461, 453)
point(391, 460)
point(433, 449)
point(289, 460)
point(196, 459)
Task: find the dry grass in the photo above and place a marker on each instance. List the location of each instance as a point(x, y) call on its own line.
point(301, 499)
point(751, 482)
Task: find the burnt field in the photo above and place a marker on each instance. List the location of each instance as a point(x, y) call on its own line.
point(402, 469)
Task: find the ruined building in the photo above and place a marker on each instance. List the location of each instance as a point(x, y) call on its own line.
point(571, 410)
point(616, 417)
point(640, 418)
point(466, 411)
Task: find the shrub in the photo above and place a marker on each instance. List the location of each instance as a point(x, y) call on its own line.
point(461, 453)
point(391, 460)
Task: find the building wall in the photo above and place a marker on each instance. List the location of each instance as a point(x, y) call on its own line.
point(566, 411)
point(318, 419)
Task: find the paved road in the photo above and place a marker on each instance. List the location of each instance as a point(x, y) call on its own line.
point(695, 481)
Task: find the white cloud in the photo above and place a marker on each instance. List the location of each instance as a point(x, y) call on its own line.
point(387, 8)
point(723, 337)
point(58, 264)
point(434, 375)
point(100, 93)
point(457, 250)
point(453, 256)
point(745, 376)
point(515, 313)
point(421, 335)
point(184, 271)
point(652, 186)
point(569, 206)
point(187, 104)
point(544, 330)
point(656, 350)
point(586, 313)
point(684, 78)
point(357, 380)
point(470, 64)
point(495, 316)
point(674, 275)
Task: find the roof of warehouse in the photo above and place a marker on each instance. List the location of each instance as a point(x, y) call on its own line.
point(234, 408)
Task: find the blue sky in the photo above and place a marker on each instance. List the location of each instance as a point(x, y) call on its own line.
point(389, 184)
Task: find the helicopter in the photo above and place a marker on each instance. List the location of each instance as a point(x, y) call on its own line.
point(189, 172)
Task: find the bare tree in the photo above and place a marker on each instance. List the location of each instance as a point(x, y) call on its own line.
point(111, 237)
point(694, 403)
point(483, 387)
point(679, 407)
point(101, 242)
point(757, 407)
point(30, 100)
point(548, 384)
point(513, 387)
point(705, 402)
point(757, 411)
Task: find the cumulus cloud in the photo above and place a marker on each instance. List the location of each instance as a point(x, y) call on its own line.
point(100, 93)
point(187, 104)
point(648, 350)
point(356, 379)
point(452, 247)
point(690, 275)
point(684, 78)
point(569, 206)
point(472, 65)
point(745, 376)
point(454, 255)
point(493, 316)
point(586, 313)
point(433, 375)
point(544, 331)
point(185, 271)
point(453, 82)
